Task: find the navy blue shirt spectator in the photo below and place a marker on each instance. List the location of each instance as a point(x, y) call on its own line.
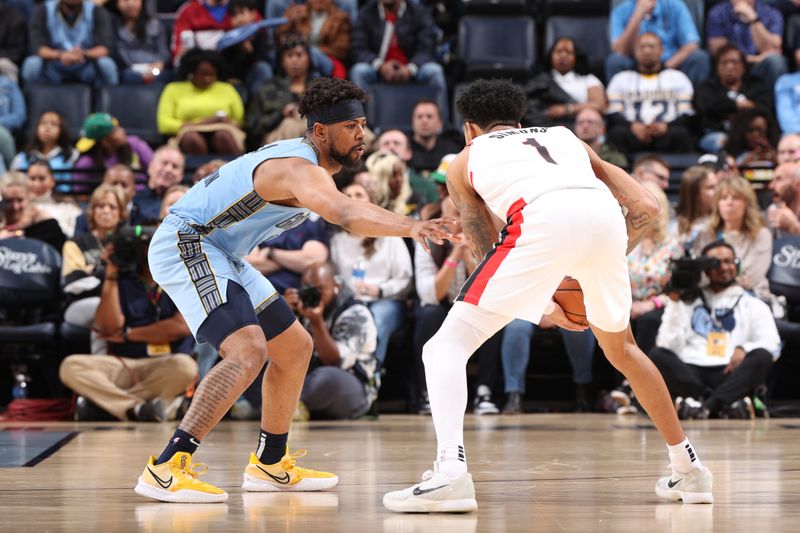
point(406, 28)
point(284, 259)
point(753, 27)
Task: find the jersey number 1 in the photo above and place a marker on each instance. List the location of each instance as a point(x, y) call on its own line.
point(530, 141)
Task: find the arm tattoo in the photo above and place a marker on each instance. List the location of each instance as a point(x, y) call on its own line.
point(479, 230)
point(215, 395)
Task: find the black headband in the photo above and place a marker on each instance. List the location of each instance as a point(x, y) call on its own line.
point(338, 112)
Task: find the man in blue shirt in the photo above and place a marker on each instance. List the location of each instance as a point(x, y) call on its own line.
point(754, 28)
point(672, 22)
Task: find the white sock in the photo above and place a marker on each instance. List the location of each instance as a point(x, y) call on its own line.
point(445, 355)
point(683, 457)
point(452, 461)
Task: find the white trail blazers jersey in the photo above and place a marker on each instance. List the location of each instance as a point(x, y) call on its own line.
point(522, 164)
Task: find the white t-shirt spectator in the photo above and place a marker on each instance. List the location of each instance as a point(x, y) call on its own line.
point(576, 85)
point(650, 98)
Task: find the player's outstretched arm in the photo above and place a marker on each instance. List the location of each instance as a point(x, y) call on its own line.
point(476, 219)
point(642, 208)
point(314, 189)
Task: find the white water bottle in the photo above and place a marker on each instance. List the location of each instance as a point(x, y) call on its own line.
point(358, 273)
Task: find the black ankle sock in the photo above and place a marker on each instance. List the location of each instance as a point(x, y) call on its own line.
point(180, 442)
point(271, 447)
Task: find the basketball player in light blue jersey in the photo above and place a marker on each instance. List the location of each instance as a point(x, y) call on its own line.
point(196, 256)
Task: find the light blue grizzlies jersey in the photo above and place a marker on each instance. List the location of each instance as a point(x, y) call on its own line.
point(226, 209)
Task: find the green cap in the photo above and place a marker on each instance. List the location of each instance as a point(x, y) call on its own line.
point(95, 127)
point(440, 176)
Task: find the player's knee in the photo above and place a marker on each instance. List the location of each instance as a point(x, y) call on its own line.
point(430, 350)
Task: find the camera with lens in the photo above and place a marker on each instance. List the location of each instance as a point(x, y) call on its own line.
point(310, 296)
point(130, 248)
point(686, 273)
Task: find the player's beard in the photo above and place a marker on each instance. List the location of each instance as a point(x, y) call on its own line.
point(347, 159)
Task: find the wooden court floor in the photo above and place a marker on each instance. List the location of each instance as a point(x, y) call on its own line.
point(556, 472)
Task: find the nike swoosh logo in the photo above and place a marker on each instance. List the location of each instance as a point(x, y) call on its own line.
point(418, 491)
point(672, 484)
point(284, 480)
point(164, 484)
point(191, 439)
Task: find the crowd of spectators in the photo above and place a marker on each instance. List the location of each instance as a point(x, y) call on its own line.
point(232, 72)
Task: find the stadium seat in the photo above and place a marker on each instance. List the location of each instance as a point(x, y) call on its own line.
point(135, 107)
point(30, 288)
point(72, 101)
point(454, 114)
point(494, 7)
point(589, 33)
point(497, 46)
point(391, 104)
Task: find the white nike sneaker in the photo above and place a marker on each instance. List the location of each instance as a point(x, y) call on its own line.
point(436, 494)
point(694, 487)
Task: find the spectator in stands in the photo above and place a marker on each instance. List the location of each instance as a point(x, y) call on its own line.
point(51, 141)
point(788, 148)
point(648, 265)
point(590, 127)
point(406, 28)
point(141, 50)
point(12, 118)
point(42, 183)
point(671, 21)
point(394, 190)
point(718, 98)
point(565, 88)
point(277, 8)
point(650, 108)
point(397, 142)
point(203, 113)
point(272, 111)
point(753, 27)
point(148, 340)
point(723, 164)
point(71, 40)
point(783, 215)
point(122, 177)
point(737, 220)
point(13, 41)
point(695, 202)
point(652, 168)
point(247, 61)
point(83, 270)
point(428, 145)
point(105, 144)
point(715, 350)
point(327, 29)
point(206, 168)
point(171, 197)
point(384, 266)
point(752, 139)
point(164, 171)
point(341, 381)
point(438, 276)
point(516, 353)
point(199, 24)
point(284, 259)
point(20, 218)
point(787, 102)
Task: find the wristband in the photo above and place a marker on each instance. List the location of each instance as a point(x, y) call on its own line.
point(271, 253)
point(757, 19)
point(449, 263)
point(657, 302)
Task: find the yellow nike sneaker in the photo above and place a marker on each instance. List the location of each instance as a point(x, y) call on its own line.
point(285, 476)
point(176, 481)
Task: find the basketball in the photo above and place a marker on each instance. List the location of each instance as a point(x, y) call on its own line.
point(570, 297)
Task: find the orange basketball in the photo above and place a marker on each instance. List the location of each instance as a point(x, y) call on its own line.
point(570, 297)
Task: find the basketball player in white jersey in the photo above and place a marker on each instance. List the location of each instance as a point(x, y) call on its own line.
point(561, 204)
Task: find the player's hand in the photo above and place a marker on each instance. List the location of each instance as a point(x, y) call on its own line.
point(558, 318)
point(435, 230)
point(736, 360)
